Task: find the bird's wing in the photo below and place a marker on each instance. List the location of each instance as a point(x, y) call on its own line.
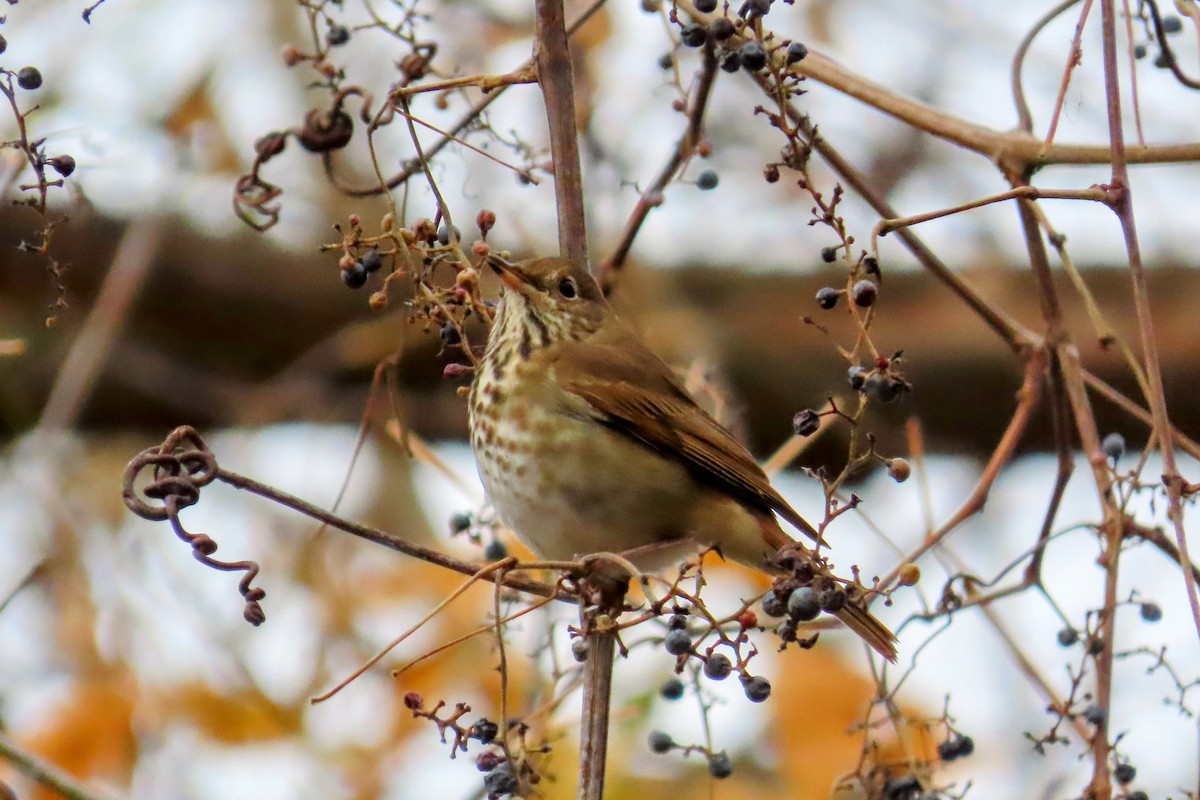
point(633, 391)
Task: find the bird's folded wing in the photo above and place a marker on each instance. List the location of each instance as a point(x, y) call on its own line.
point(634, 392)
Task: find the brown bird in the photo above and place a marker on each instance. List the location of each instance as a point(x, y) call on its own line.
point(587, 442)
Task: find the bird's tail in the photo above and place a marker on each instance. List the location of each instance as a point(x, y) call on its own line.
point(872, 631)
point(854, 616)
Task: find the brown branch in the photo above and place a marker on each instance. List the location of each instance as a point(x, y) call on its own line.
point(45, 773)
point(594, 725)
point(461, 124)
point(1026, 192)
point(684, 150)
point(1016, 149)
point(427, 554)
point(1186, 444)
point(1012, 332)
point(1123, 207)
point(553, 58)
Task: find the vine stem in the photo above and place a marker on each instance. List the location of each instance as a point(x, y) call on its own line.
point(1122, 205)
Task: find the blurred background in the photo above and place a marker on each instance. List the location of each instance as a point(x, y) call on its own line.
point(128, 665)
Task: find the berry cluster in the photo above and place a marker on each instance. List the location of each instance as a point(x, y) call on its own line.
point(883, 384)
point(717, 666)
point(504, 764)
point(801, 596)
point(736, 49)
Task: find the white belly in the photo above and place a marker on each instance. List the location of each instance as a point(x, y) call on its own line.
point(583, 489)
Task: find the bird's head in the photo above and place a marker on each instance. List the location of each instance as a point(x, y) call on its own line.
point(552, 298)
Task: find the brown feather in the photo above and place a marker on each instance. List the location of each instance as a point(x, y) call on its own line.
point(633, 391)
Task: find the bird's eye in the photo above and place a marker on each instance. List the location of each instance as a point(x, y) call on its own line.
point(566, 287)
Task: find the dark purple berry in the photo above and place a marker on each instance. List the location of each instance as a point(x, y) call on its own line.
point(1113, 446)
point(677, 622)
point(1095, 715)
point(666, 61)
point(660, 742)
point(731, 62)
point(708, 179)
point(803, 605)
point(754, 8)
point(832, 599)
point(956, 747)
point(450, 335)
point(1138, 795)
point(754, 56)
point(864, 293)
point(827, 297)
point(371, 260)
point(1139, 51)
point(1172, 24)
point(1068, 636)
point(354, 277)
point(829, 254)
point(1125, 772)
point(29, 78)
point(459, 522)
point(64, 165)
point(448, 232)
point(1151, 612)
point(3, 44)
point(717, 667)
point(672, 689)
point(720, 765)
point(806, 422)
point(705, 6)
point(501, 780)
point(773, 605)
point(581, 648)
point(495, 550)
point(757, 689)
point(488, 761)
point(906, 787)
point(879, 387)
point(693, 35)
point(677, 642)
point(337, 35)
point(857, 376)
point(485, 730)
point(720, 29)
point(796, 51)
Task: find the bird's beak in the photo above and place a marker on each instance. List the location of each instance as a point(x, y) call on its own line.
point(510, 274)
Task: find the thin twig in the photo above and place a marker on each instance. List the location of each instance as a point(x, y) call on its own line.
point(46, 774)
point(396, 543)
point(684, 150)
point(89, 352)
point(1027, 192)
point(1074, 57)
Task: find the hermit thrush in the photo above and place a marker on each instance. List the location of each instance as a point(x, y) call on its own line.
point(586, 442)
